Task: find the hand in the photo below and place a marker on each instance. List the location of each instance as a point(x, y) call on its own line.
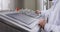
point(42, 23)
point(38, 12)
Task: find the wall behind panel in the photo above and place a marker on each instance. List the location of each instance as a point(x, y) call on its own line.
point(16, 3)
point(6, 4)
point(30, 4)
point(11, 4)
point(19, 3)
point(0, 4)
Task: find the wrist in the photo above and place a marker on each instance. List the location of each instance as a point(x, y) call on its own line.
point(43, 26)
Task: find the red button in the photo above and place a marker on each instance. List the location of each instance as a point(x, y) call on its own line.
point(17, 9)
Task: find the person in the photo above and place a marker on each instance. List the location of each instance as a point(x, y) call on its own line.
point(53, 15)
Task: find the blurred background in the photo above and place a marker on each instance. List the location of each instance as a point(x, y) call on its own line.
point(30, 4)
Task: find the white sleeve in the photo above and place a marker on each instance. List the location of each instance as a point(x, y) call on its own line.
point(54, 27)
point(47, 12)
point(51, 27)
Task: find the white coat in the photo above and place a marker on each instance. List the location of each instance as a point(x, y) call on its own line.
point(53, 15)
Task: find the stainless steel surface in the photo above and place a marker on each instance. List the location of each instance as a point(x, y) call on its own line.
point(7, 28)
point(20, 21)
point(21, 17)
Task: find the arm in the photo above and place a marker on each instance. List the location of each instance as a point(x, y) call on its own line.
point(51, 27)
point(56, 26)
point(47, 12)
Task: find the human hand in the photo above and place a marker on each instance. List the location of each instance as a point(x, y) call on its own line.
point(38, 12)
point(42, 23)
